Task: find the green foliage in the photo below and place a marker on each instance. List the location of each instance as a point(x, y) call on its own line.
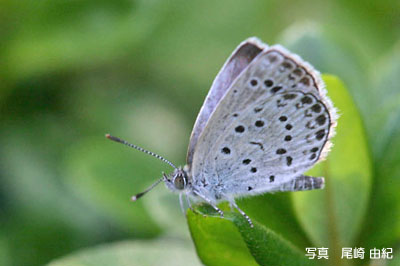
point(71, 71)
point(217, 239)
point(140, 252)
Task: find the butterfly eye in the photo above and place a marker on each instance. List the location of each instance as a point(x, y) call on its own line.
point(179, 182)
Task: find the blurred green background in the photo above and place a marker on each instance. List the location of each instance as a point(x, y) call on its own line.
point(71, 71)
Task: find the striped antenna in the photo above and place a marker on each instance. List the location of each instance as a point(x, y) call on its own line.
point(141, 194)
point(140, 149)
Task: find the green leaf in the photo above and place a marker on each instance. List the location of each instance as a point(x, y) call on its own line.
point(144, 252)
point(277, 214)
point(332, 217)
point(217, 241)
point(383, 226)
point(383, 115)
point(383, 223)
point(267, 247)
point(231, 241)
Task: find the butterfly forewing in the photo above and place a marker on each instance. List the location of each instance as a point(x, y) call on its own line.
point(236, 63)
point(272, 125)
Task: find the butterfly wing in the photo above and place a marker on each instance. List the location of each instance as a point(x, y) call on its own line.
point(273, 123)
point(236, 63)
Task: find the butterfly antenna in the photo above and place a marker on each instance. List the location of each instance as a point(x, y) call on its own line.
point(139, 195)
point(140, 149)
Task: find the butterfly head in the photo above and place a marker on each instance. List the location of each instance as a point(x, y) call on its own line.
point(177, 180)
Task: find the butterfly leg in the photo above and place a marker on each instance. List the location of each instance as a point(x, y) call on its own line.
point(210, 202)
point(181, 203)
point(181, 195)
point(233, 203)
point(189, 203)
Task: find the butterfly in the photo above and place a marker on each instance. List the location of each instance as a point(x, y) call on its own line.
point(265, 121)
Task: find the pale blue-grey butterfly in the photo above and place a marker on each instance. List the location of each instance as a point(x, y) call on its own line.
point(266, 120)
